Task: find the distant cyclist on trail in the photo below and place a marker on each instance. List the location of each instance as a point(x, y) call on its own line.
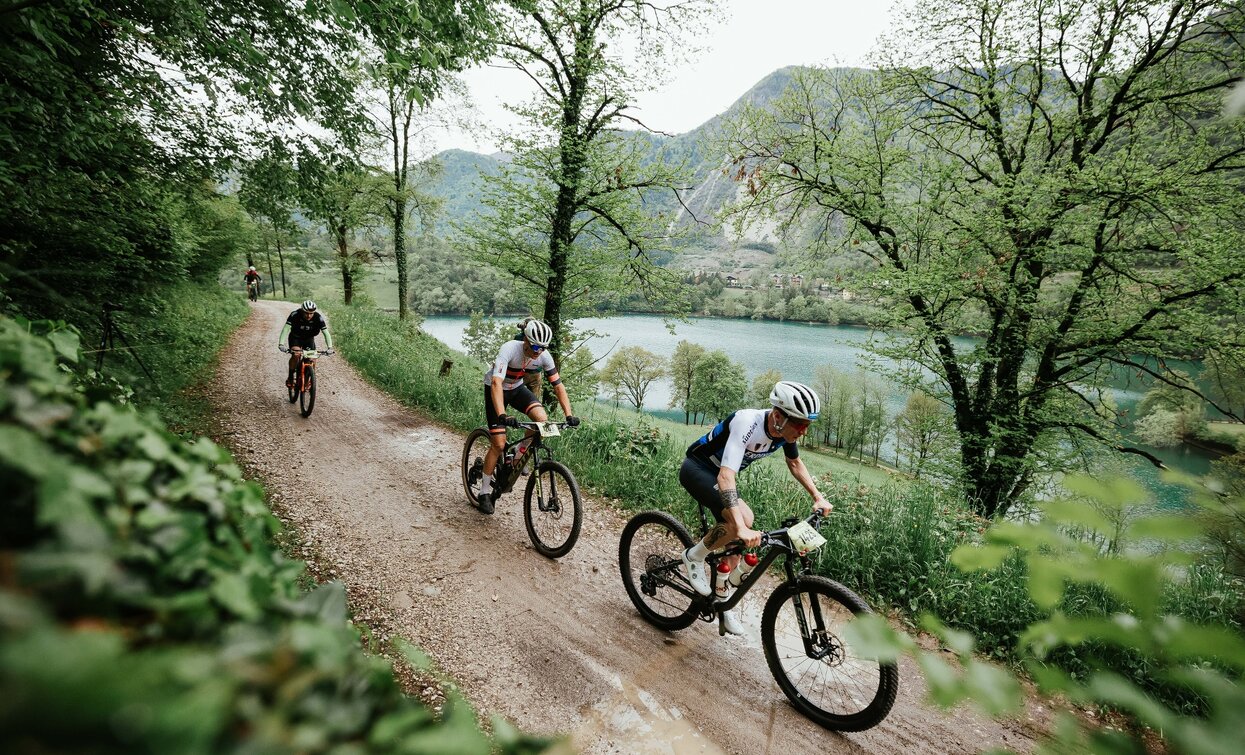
point(504, 386)
point(302, 327)
point(252, 276)
point(712, 462)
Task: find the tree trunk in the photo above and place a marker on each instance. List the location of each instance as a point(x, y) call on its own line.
point(343, 254)
point(281, 259)
point(399, 251)
point(272, 279)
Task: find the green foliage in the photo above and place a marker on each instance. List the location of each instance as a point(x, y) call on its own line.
point(719, 386)
point(446, 281)
point(1225, 376)
point(682, 374)
point(144, 606)
point(177, 340)
point(1170, 412)
point(1186, 663)
point(978, 177)
point(630, 372)
point(762, 384)
point(484, 337)
point(569, 216)
point(924, 432)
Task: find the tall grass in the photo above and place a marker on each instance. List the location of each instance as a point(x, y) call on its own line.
point(406, 362)
point(890, 542)
point(177, 340)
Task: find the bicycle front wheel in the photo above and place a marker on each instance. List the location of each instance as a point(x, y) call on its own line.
point(474, 449)
point(307, 397)
point(801, 631)
point(552, 509)
point(650, 558)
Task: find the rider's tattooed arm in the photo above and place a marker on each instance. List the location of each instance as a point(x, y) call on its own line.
point(730, 498)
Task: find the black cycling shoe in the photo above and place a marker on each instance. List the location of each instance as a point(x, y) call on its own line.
point(484, 502)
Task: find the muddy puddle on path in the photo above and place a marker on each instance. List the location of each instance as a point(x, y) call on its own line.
point(633, 721)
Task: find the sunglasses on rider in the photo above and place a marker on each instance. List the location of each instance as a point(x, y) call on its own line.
point(795, 422)
point(536, 348)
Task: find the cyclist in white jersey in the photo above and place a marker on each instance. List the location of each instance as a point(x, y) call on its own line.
point(714, 460)
point(504, 386)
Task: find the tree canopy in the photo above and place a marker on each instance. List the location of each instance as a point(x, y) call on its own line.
point(1065, 179)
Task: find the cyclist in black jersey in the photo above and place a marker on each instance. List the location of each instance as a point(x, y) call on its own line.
point(504, 386)
point(302, 327)
point(713, 461)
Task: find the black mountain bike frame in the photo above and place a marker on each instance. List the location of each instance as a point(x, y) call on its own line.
point(776, 544)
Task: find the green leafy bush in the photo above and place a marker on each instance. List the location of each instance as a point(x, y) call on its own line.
point(1181, 675)
point(144, 607)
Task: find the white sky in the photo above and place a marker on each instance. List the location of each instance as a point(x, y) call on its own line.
point(753, 39)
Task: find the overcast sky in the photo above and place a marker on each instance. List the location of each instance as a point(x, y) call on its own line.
point(755, 38)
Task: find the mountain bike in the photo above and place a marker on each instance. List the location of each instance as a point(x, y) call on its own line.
point(552, 510)
point(801, 624)
point(304, 389)
point(252, 290)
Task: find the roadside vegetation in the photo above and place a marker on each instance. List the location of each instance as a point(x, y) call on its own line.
point(145, 607)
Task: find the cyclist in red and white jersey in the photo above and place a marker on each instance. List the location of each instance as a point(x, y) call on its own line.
point(504, 386)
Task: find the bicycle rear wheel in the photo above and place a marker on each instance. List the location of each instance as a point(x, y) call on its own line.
point(307, 397)
point(801, 630)
point(552, 509)
point(650, 559)
point(474, 449)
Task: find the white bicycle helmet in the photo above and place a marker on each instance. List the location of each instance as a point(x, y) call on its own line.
point(309, 306)
point(795, 400)
point(251, 269)
point(538, 333)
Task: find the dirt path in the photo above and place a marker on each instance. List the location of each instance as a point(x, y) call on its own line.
point(374, 488)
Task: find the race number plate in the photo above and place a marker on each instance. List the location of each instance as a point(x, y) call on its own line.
point(805, 539)
point(548, 429)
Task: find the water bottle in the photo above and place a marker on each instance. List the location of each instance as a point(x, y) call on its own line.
point(743, 569)
point(722, 585)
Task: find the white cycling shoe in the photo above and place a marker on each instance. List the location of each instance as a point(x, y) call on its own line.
point(695, 573)
point(731, 623)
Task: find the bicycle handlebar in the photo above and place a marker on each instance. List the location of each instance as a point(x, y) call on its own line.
point(535, 425)
point(775, 536)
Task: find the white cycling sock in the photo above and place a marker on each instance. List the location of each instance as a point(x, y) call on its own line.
point(486, 484)
point(698, 552)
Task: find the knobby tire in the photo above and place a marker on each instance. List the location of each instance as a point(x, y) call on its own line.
point(479, 438)
point(554, 485)
point(307, 397)
point(841, 692)
point(655, 536)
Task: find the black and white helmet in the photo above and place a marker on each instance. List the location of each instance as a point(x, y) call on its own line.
point(795, 400)
point(538, 333)
point(309, 306)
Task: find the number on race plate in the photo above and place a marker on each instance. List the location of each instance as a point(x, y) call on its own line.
point(548, 429)
point(805, 539)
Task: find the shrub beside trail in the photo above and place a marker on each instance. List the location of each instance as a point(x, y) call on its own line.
point(144, 607)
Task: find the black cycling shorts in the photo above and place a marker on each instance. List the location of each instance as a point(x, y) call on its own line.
point(302, 343)
point(520, 397)
point(701, 481)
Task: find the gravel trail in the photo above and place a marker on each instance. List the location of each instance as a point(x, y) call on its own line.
point(374, 490)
